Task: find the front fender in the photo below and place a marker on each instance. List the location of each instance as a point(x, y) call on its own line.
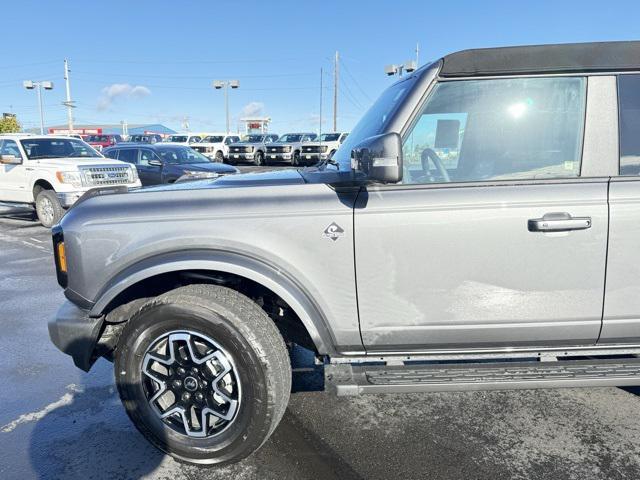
point(242, 265)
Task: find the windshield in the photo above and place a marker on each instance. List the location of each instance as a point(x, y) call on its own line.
point(254, 138)
point(181, 155)
point(98, 138)
point(374, 121)
point(178, 138)
point(57, 148)
point(290, 137)
point(213, 139)
point(329, 137)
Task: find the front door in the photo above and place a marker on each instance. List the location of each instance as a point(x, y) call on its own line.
point(493, 239)
point(14, 178)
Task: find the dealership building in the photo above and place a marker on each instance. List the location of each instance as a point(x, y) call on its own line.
point(117, 128)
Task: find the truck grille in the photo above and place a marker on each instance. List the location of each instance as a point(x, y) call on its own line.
point(241, 149)
point(313, 149)
point(279, 149)
point(115, 175)
point(200, 149)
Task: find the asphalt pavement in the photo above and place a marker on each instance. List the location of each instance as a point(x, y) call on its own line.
point(59, 422)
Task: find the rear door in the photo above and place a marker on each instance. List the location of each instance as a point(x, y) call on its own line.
point(494, 238)
point(621, 322)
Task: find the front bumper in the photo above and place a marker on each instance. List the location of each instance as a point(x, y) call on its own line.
point(278, 157)
point(313, 156)
point(75, 333)
point(241, 157)
point(69, 198)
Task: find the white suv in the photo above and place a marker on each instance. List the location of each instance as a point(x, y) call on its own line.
point(216, 146)
point(52, 172)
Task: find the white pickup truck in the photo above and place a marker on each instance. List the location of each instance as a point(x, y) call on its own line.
point(51, 173)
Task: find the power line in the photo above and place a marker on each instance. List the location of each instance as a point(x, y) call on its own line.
point(355, 81)
point(197, 77)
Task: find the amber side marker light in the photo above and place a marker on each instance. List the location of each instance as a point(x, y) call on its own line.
point(62, 258)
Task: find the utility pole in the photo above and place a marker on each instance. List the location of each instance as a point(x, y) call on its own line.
point(335, 92)
point(320, 127)
point(69, 103)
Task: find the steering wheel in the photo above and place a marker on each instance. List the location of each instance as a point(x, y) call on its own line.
point(429, 154)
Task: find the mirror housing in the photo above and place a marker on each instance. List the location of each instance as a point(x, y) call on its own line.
point(155, 163)
point(10, 160)
point(379, 158)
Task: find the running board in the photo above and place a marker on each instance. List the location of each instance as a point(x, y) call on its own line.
point(357, 379)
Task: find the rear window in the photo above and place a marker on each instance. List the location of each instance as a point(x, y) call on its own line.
point(629, 111)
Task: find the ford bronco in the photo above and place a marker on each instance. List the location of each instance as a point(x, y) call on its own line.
point(476, 230)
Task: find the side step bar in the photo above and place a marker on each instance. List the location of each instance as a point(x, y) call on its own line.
point(357, 379)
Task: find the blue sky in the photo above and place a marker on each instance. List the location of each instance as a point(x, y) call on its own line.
point(153, 62)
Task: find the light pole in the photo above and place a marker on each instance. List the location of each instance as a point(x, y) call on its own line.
point(408, 67)
point(38, 86)
point(218, 84)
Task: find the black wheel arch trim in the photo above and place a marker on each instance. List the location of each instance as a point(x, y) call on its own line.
point(236, 263)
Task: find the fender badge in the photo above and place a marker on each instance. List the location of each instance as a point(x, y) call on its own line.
point(333, 231)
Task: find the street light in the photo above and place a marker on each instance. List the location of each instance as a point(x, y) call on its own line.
point(408, 67)
point(38, 86)
point(225, 84)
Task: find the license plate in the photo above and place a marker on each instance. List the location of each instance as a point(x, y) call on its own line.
point(273, 156)
point(236, 156)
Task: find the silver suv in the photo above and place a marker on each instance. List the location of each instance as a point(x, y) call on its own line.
point(287, 148)
point(459, 239)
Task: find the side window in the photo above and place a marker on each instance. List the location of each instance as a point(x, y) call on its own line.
point(129, 155)
point(10, 147)
point(629, 111)
point(194, 139)
point(145, 156)
point(112, 154)
point(505, 129)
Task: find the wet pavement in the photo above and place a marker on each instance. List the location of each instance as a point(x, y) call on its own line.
point(59, 422)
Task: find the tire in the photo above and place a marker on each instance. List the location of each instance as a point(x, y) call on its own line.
point(259, 159)
point(296, 159)
point(48, 208)
point(237, 329)
point(219, 156)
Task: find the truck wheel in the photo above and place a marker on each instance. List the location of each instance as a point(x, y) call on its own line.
point(203, 373)
point(296, 158)
point(259, 159)
point(48, 208)
point(219, 156)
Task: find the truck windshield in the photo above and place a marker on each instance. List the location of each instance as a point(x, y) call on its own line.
point(290, 137)
point(375, 121)
point(254, 138)
point(329, 137)
point(178, 138)
point(57, 148)
point(213, 139)
point(181, 155)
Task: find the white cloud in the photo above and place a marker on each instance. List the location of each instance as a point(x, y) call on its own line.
point(252, 109)
point(120, 91)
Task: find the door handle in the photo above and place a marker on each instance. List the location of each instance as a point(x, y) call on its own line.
point(558, 222)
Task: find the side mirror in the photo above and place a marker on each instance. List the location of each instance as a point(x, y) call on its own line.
point(155, 163)
point(379, 158)
point(10, 160)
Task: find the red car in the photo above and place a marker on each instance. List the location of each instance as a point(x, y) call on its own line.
point(103, 141)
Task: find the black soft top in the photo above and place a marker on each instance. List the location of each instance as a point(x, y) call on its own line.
point(531, 59)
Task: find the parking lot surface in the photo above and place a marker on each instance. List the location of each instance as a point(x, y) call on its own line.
point(58, 422)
